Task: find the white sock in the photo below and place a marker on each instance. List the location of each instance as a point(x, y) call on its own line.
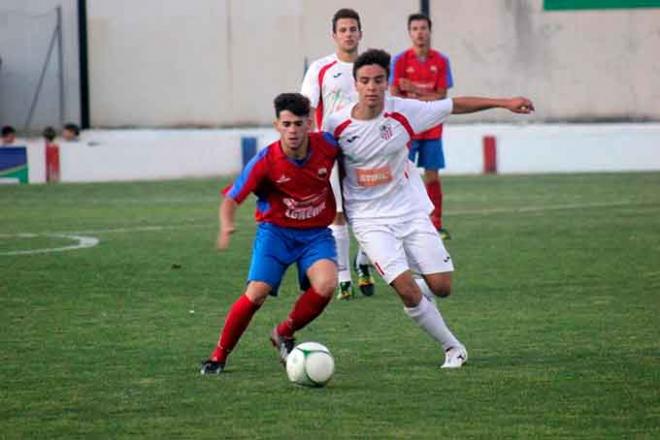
point(362, 258)
point(426, 290)
point(340, 232)
point(429, 318)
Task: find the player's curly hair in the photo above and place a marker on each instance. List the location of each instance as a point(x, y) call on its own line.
point(293, 102)
point(372, 56)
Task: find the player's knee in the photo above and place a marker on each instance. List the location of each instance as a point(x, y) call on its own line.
point(257, 292)
point(431, 176)
point(443, 292)
point(326, 288)
point(442, 288)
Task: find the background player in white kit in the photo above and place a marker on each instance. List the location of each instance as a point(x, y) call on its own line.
point(383, 203)
point(329, 85)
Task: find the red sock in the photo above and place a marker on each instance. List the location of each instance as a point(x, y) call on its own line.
point(237, 320)
point(309, 305)
point(434, 190)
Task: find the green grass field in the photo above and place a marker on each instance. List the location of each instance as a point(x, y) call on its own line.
point(556, 295)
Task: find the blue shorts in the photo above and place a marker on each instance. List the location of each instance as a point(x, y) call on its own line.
point(275, 248)
point(429, 154)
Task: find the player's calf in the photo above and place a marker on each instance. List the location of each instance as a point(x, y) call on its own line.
point(407, 289)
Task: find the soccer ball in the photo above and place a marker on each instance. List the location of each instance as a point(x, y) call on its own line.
point(310, 364)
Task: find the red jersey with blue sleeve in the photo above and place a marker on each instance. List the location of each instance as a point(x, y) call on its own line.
point(431, 73)
point(291, 193)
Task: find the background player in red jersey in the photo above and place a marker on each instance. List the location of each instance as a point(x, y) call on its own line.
point(295, 205)
point(423, 73)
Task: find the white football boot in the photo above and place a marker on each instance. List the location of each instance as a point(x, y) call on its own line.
point(455, 357)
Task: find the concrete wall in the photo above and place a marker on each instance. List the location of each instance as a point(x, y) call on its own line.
point(577, 65)
point(26, 28)
point(220, 62)
point(120, 155)
point(212, 63)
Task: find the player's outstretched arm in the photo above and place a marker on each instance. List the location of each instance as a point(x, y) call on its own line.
point(469, 104)
point(226, 214)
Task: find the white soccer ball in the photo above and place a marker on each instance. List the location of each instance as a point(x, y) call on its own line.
point(310, 364)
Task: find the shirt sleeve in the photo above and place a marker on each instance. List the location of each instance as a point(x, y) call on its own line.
point(310, 85)
point(423, 115)
point(449, 78)
point(250, 178)
point(396, 70)
point(332, 143)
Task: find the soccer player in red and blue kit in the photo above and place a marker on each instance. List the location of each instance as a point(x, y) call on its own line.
point(423, 73)
point(295, 205)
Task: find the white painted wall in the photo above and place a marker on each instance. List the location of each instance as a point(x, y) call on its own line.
point(125, 155)
point(210, 63)
point(577, 65)
point(221, 62)
point(555, 148)
point(158, 63)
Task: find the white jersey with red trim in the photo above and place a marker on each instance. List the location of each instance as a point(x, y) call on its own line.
point(330, 87)
point(378, 183)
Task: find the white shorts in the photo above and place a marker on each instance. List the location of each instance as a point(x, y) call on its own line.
point(336, 187)
point(400, 246)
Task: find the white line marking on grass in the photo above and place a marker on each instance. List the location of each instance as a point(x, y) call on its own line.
point(142, 228)
point(85, 242)
point(485, 211)
point(82, 242)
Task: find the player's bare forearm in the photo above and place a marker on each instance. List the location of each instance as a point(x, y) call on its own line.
point(395, 91)
point(226, 215)
point(472, 104)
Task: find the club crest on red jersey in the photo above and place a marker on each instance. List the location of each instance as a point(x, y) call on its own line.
point(386, 131)
point(322, 172)
point(283, 179)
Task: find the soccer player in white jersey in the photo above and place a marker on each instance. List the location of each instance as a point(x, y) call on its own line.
point(329, 85)
point(384, 206)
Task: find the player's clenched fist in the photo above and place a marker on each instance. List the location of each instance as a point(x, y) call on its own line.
point(520, 105)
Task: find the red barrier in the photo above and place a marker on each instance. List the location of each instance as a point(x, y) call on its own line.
point(52, 162)
point(490, 155)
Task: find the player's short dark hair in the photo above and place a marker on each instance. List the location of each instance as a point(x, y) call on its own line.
point(49, 134)
point(372, 56)
point(7, 130)
point(72, 127)
point(418, 16)
point(293, 102)
point(345, 13)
